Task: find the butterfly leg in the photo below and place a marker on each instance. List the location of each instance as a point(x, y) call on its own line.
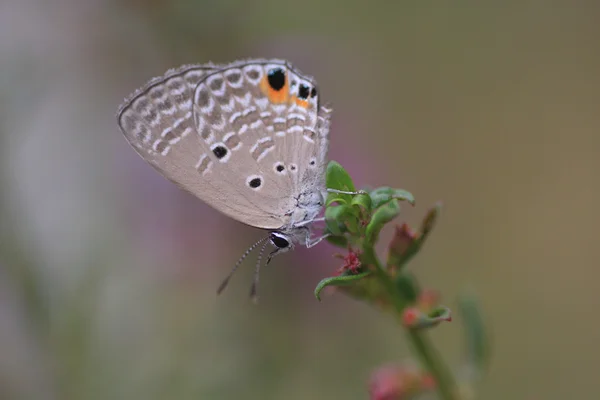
point(304, 223)
point(345, 192)
point(310, 242)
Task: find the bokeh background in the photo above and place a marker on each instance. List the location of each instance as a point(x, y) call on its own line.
point(108, 271)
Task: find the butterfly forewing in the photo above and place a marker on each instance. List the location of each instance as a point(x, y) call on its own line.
point(245, 138)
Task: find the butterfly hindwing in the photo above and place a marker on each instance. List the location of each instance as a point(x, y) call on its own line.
point(240, 137)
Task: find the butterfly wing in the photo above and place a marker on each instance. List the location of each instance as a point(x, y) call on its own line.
point(301, 133)
point(213, 131)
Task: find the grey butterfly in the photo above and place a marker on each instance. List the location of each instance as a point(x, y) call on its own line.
point(249, 138)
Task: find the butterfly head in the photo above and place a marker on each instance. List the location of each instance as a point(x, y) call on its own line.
point(281, 241)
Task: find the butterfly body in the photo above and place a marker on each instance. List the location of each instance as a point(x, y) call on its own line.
point(249, 138)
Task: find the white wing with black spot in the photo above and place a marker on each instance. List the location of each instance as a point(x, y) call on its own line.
point(247, 138)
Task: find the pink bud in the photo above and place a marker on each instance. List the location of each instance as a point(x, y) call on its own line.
point(410, 316)
point(398, 382)
point(403, 238)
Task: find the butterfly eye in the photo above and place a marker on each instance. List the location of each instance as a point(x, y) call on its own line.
point(313, 92)
point(276, 78)
point(303, 92)
point(279, 241)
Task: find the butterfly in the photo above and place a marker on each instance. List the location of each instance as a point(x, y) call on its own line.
point(249, 138)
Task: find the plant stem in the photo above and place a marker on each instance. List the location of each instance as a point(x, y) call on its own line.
point(433, 363)
point(426, 351)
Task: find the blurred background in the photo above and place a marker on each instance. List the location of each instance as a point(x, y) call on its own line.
point(108, 272)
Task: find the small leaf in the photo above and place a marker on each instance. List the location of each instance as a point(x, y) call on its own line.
point(338, 281)
point(352, 224)
point(384, 194)
point(339, 241)
point(369, 290)
point(404, 195)
point(477, 341)
point(441, 313)
point(380, 196)
point(335, 198)
point(414, 318)
point(382, 216)
point(363, 201)
point(334, 218)
point(337, 178)
point(430, 220)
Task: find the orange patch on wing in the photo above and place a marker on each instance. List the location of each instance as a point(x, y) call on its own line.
point(300, 102)
point(275, 96)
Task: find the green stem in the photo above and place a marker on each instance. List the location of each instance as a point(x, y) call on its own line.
point(435, 365)
point(427, 353)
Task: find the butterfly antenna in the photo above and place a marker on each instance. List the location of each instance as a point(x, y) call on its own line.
point(254, 287)
point(223, 284)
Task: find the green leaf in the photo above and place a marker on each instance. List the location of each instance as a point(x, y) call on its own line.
point(407, 285)
point(421, 320)
point(440, 313)
point(341, 280)
point(477, 341)
point(335, 218)
point(352, 224)
point(337, 178)
point(382, 216)
point(362, 201)
point(335, 198)
point(339, 241)
point(384, 194)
